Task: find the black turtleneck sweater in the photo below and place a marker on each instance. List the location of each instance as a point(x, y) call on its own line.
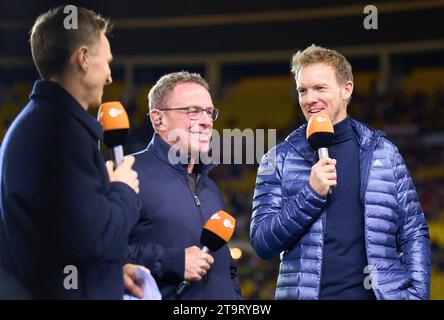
point(344, 255)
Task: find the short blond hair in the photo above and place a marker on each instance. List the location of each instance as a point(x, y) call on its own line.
point(315, 54)
point(167, 83)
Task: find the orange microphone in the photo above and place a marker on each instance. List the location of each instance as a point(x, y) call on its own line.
point(216, 232)
point(114, 120)
point(320, 134)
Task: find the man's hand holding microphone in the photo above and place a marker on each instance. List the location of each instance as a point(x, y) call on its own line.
point(320, 136)
point(323, 176)
point(124, 173)
point(114, 120)
point(197, 263)
point(216, 232)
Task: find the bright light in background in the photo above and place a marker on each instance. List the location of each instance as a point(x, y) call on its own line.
point(236, 253)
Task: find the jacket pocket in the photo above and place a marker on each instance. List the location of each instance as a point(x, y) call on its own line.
point(395, 289)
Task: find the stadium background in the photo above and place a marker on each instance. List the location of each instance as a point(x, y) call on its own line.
point(243, 48)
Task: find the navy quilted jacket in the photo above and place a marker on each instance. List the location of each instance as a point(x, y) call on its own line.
point(289, 219)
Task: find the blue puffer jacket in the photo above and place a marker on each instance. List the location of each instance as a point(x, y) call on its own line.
point(289, 218)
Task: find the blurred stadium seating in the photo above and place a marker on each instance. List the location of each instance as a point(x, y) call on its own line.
point(271, 102)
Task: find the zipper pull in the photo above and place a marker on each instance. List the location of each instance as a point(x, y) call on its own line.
point(197, 200)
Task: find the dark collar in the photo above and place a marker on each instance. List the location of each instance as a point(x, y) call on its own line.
point(62, 98)
point(161, 149)
point(343, 131)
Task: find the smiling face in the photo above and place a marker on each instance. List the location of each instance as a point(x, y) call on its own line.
point(191, 135)
point(320, 92)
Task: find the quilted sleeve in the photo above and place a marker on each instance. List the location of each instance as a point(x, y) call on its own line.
point(276, 225)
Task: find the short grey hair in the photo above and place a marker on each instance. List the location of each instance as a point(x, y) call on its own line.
point(167, 83)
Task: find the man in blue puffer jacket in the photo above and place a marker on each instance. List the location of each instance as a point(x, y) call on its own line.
point(366, 240)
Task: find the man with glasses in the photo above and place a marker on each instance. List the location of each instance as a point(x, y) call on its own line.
point(178, 197)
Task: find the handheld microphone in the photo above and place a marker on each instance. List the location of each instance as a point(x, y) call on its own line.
point(114, 120)
point(216, 232)
point(320, 134)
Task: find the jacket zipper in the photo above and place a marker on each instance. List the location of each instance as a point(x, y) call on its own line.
point(197, 201)
point(198, 205)
point(324, 230)
point(205, 278)
point(367, 168)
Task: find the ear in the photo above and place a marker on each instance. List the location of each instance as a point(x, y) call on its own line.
point(157, 121)
point(82, 56)
point(347, 90)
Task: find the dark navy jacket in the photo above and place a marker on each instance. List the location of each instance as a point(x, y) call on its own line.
point(172, 220)
point(58, 206)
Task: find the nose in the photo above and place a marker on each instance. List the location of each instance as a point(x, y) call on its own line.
point(206, 119)
point(109, 80)
point(310, 97)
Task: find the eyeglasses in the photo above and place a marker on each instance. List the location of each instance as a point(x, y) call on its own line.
point(195, 113)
